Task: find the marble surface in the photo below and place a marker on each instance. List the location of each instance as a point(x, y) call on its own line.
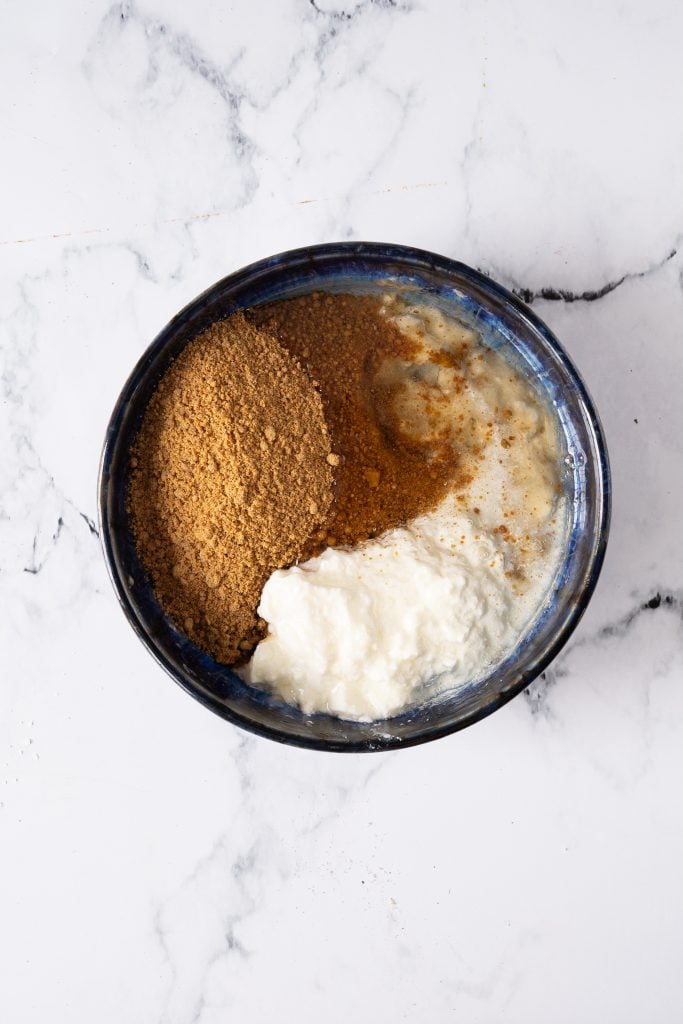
point(159, 865)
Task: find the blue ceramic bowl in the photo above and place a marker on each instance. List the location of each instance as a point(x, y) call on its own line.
point(505, 323)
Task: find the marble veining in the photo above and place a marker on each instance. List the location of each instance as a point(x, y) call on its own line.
point(562, 295)
point(159, 865)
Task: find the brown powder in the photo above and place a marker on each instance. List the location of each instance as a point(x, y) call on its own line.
point(230, 476)
point(384, 476)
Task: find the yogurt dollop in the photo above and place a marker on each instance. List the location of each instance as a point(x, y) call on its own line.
point(357, 632)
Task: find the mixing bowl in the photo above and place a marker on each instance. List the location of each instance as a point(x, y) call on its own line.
point(504, 323)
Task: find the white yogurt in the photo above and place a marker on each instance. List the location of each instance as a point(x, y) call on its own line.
point(356, 633)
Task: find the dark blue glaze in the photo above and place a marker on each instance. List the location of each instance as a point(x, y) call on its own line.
point(506, 324)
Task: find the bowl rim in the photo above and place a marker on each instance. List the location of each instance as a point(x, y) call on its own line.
point(416, 258)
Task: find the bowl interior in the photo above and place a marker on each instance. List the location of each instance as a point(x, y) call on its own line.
point(504, 324)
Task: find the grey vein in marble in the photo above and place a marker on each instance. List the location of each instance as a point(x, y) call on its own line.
point(550, 294)
point(536, 695)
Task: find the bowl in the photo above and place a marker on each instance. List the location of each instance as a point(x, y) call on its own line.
point(505, 323)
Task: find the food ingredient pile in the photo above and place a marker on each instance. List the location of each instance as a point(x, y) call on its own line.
point(386, 476)
point(230, 476)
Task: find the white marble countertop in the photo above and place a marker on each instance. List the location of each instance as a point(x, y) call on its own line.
point(159, 865)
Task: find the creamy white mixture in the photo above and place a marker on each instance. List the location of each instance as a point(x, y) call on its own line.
point(359, 632)
point(356, 632)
